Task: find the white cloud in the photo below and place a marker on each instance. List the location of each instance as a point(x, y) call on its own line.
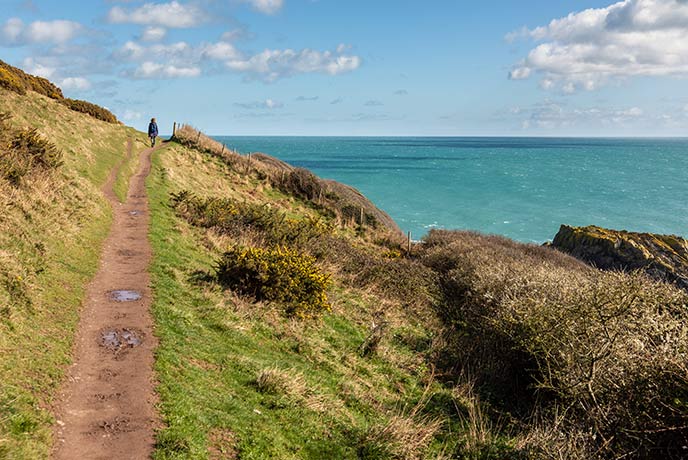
point(39, 69)
point(172, 15)
point(131, 115)
point(271, 65)
point(75, 83)
point(150, 69)
point(266, 104)
point(373, 103)
point(153, 34)
point(585, 50)
point(266, 6)
point(551, 115)
point(15, 33)
point(221, 51)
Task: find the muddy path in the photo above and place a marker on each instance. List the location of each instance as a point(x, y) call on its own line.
point(106, 409)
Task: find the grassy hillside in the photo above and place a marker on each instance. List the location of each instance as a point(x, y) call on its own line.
point(52, 224)
point(468, 347)
point(294, 322)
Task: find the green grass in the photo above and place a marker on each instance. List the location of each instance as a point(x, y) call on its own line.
point(213, 346)
point(51, 231)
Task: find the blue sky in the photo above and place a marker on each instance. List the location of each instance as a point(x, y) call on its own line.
point(366, 67)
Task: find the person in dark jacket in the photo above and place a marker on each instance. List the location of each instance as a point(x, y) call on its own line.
point(152, 131)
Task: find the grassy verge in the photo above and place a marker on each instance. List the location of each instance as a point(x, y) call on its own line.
point(51, 231)
point(238, 380)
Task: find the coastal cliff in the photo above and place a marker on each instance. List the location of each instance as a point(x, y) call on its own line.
point(663, 257)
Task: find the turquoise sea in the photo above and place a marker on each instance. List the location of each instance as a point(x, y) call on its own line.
point(523, 188)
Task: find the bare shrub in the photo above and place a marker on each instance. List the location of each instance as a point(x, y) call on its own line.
point(535, 323)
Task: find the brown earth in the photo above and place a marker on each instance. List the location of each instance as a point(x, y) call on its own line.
point(106, 409)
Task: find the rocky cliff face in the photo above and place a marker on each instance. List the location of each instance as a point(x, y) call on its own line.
point(663, 257)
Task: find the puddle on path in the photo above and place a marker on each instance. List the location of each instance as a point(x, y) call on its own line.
point(135, 213)
point(124, 295)
point(116, 339)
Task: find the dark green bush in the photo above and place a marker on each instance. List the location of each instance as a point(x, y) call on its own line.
point(277, 275)
point(88, 108)
point(231, 217)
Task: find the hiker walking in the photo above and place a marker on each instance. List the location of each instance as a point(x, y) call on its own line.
point(153, 131)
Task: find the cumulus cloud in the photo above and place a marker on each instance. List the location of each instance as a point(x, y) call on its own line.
point(173, 15)
point(271, 65)
point(15, 33)
point(220, 51)
point(131, 115)
point(153, 34)
point(40, 69)
point(75, 83)
point(150, 69)
point(587, 49)
point(266, 6)
point(268, 104)
point(550, 115)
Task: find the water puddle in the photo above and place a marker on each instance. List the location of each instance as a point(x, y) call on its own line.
point(117, 339)
point(135, 213)
point(124, 295)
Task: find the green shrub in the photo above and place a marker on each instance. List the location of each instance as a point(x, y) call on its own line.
point(276, 275)
point(88, 108)
point(230, 217)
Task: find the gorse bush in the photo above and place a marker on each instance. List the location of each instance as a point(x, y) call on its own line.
point(17, 80)
point(277, 275)
point(88, 108)
point(537, 326)
point(24, 151)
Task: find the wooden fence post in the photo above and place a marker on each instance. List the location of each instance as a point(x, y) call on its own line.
point(409, 243)
point(174, 129)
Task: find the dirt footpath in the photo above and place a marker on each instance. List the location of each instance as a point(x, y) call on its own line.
point(106, 410)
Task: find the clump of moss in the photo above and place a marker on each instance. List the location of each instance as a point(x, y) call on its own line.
point(276, 275)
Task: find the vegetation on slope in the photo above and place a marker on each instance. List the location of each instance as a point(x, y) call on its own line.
point(468, 347)
point(52, 224)
point(243, 378)
point(14, 79)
